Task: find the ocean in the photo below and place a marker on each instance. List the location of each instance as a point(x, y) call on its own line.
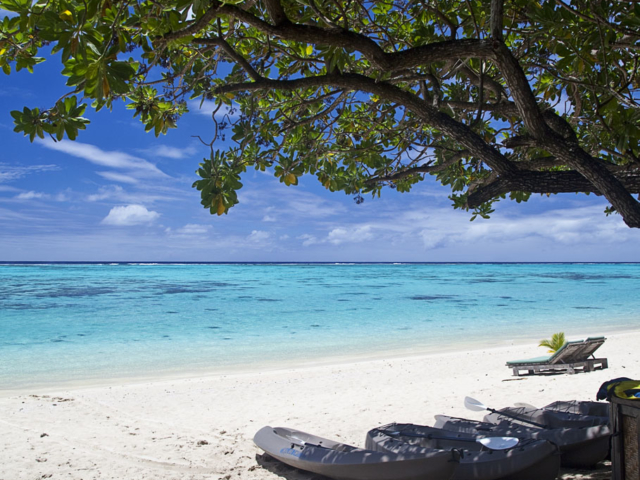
point(65, 324)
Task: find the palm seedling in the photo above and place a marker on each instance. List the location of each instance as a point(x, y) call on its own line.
point(555, 343)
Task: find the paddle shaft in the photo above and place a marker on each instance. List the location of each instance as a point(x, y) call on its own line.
point(516, 417)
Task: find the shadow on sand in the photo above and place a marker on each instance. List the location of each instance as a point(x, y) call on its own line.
point(285, 471)
point(601, 472)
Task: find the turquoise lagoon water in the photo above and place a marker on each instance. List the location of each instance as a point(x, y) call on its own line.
point(93, 322)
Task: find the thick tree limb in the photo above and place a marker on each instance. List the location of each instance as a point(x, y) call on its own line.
point(440, 51)
point(497, 14)
point(520, 141)
point(543, 182)
point(276, 12)
point(539, 163)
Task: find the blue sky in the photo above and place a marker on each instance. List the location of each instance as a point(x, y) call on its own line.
point(119, 193)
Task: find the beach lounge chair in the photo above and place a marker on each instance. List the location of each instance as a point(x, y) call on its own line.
point(572, 357)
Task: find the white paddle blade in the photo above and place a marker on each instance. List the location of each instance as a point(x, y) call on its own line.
point(499, 443)
point(473, 404)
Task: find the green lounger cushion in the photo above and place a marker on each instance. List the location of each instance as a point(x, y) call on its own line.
point(530, 361)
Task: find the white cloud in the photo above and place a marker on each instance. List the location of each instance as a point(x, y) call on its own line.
point(340, 235)
point(113, 191)
point(430, 238)
point(118, 177)
point(450, 233)
point(190, 229)
point(31, 195)
point(120, 195)
point(14, 172)
point(170, 152)
point(570, 226)
point(258, 236)
point(310, 205)
point(130, 215)
point(112, 159)
point(291, 205)
point(268, 218)
point(351, 235)
point(308, 240)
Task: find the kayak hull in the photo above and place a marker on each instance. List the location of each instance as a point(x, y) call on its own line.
point(595, 409)
point(345, 462)
point(543, 416)
point(529, 460)
point(581, 447)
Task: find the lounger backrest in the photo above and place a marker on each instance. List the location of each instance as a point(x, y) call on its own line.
point(591, 345)
point(567, 353)
point(577, 351)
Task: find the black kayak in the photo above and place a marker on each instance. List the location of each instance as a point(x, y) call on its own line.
point(345, 462)
point(581, 407)
point(527, 460)
point(544, 417)
point(581, 447)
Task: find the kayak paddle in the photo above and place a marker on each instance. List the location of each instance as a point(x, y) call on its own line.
point(478, 406)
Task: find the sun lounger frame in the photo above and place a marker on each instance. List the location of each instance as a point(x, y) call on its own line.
point(572, 358)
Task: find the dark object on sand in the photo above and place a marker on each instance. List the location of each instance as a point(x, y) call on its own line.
point(579, 407)
point(344, 462)
point(581, 447)
point(522, 460)
point(545, 418)
point(596, 409)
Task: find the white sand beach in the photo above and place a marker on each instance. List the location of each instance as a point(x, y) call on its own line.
point(202, 428)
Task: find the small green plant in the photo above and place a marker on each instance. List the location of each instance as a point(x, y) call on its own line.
point(554, 344)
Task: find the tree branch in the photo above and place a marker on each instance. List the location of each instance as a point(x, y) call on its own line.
point(323, 113)
point(458, 131)
point(569, 152)
point(339, 37)
point(497, 19)
point(276, 12)
point(543, 182)
point(232, 54)
point(420, 169)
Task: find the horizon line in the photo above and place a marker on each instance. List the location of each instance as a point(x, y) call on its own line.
point(310, 262)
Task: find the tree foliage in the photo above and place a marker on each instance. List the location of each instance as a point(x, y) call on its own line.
point(493, 97)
